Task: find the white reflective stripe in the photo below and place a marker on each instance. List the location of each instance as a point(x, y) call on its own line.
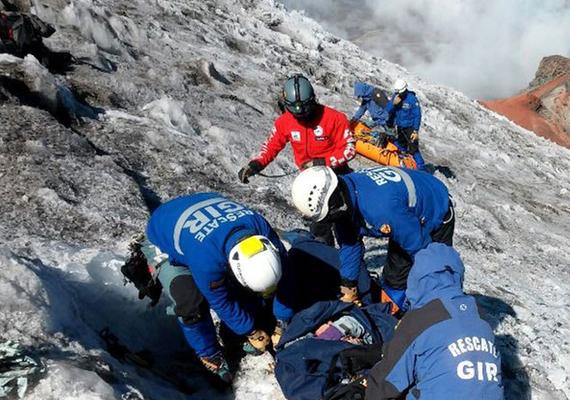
point(184, 216)
point(412, 197)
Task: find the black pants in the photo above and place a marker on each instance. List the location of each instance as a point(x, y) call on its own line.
point(323, 231)
point(405, 140)
point(399, 262)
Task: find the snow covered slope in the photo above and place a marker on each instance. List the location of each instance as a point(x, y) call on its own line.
point(192, 99)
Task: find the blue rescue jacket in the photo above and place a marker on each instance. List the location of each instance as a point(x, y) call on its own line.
point(407, 114)
point(307, 366)
point(198, 231)
point(404, 205)
point(441, 348)
point(378, 114)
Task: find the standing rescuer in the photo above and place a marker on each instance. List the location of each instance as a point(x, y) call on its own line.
point(319, 135)
point(406, 115)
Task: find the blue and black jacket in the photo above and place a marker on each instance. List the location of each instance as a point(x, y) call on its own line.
point(404, 205)
point(407, 114)
point(199, 231)
point(370, 103)
point(441, 348)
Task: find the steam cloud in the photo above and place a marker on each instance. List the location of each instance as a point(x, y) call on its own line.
point(487, 49)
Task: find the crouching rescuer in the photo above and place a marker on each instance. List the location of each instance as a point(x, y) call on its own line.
point(441, 348)
point(209, 252)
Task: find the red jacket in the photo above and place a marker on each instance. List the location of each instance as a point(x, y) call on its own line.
point(327, 136)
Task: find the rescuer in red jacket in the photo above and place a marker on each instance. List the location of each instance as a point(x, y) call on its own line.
point(318, 134)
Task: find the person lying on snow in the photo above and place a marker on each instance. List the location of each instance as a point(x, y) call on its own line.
point(405, 115)
point(410, 208)
point(441, 348)
point(209, 252)
point(319, 135)
point(328, 349)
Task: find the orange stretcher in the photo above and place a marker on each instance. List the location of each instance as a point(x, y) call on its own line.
point(388, 155)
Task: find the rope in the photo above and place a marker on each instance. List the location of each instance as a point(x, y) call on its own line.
point(276, 176)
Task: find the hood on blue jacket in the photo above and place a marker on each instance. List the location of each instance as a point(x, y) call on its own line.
point(363, 90)
point(437, 273)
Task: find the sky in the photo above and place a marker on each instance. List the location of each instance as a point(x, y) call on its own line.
point(487, 49)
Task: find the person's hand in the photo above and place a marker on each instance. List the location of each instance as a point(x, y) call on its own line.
point(397, 100)
point(259, 340)
point(252, 168)
point(349, 294)
point(315, 162)
point(414, 136)
point(278, 332)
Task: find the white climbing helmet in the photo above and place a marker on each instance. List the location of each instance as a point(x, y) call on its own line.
point(400, 86)
point(312, 190)
point(255, 263)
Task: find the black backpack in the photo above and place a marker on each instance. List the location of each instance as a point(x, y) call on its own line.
point(19, 32)
point(379, 97)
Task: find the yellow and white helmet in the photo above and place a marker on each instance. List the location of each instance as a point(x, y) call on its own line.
point(255, 263)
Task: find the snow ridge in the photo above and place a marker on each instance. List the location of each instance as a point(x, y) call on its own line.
point(192, 99)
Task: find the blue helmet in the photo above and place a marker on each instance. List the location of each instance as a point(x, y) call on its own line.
point(299, 96)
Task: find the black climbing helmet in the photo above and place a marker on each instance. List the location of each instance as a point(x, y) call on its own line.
point(299, 96)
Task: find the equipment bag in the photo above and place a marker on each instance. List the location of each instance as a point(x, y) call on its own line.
point(20, 32)
point(311, 368)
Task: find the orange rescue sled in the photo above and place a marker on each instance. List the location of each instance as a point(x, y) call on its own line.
point(389, 155)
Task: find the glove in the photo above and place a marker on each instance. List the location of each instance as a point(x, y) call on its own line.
point(258, 340)
point(315, 162)
point(278, 332)
point(252, 168)
point(349, 294)
point(414, 136)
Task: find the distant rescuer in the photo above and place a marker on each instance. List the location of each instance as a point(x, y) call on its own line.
point(319, 135)
point(441, 348)
point(410, 208)
point(405, 115)
point(214, 253)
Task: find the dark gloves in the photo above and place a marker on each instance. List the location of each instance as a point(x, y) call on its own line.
point(252, 168)
point(315, 162)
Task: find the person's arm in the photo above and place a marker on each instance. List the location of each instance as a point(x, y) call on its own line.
point(360, 112)
point(351, 252)
point(272, 146)
point(390, 106)
point(212, 284)
point(394, 374)
point(344, 145)
point(417, 114)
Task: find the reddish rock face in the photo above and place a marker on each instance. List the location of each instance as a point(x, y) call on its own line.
point(545, 107)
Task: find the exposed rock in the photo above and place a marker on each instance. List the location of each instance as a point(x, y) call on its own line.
point(550, 67)
point(544, 108)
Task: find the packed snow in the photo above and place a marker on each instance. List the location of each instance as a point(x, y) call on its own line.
point(193, 97)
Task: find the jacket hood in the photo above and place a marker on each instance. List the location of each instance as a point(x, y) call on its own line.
point(363, 90)
point(437, 273)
